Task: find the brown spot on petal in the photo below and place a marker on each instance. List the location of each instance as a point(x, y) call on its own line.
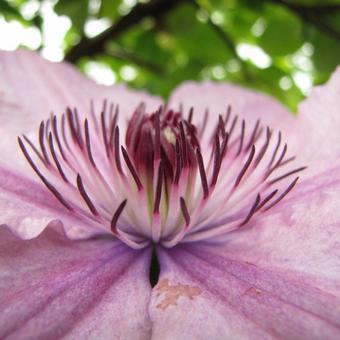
point(252, 291)
point(172, 293)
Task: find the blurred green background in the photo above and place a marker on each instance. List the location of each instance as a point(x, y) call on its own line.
point(281, 47)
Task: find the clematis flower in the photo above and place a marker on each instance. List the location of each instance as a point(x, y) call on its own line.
point(213, 216)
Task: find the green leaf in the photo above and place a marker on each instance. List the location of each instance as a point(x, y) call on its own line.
point(283, 34)
point(198, 39)
point(77, 11)
point(109, 9)
point(326, 54)
point(11, 12)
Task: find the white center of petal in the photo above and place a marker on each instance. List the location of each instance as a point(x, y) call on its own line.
point(170, 181)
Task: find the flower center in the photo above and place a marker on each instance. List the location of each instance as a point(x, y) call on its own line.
point(172, 180)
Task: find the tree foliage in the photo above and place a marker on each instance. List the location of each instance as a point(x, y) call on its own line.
point(281, 47)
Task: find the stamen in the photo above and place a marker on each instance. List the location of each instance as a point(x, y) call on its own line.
point(287, 175)
point(74, 132)
point(104, 105)
point(93, 115)
point(47, 128)
point(252, 210)
point(287, 161)
point(191, 113)
point(204, 124)
point(217, 162)
point(117, 151)
point(78, 127)
point(241, 139)
point(202, 173)
point(134, 125)
point(278, 163)
point(56, 136)
point(184, 145)
point(158, 188)
point(220, 126)
point(132, 169)
point(233, 124)
point(267, 199)
point(88, 143)
point(42, 143)
point(253, 136)
point(116, 216)
point(290, 187)
point(227, 116)
point(157, 135)
point(85, 196)
point(111, 112)
point(63, 131)
point(178, 163)
point(224, 146)
point(275, 151)
point(103, 125)
point(281, 157)
point(36, 151)
point(185, 212)
point(192, 132)
point(163, 152)
point(245, 167)
point(263, 149)
point(49, 186)
point(55, 158)
point(113, 124)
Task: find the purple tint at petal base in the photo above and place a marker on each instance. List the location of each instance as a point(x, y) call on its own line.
point(52, 287)
point(278, 278)
point(238, 299)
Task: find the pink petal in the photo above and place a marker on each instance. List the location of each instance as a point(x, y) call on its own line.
point(319, 124)
point(312, 136)
point(248, 104)
point(31, 88)
point(300, 234)
point(277, 278)
point(27, 207)
point(52, 287)
point(208, 293)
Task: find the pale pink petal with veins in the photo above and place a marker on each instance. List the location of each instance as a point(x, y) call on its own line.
point(215, 182)
point(52, 287)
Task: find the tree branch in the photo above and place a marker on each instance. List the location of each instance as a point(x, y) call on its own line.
point(89, 47)
point(312, 14)
point(126, 55)
point(317, 8)
point(231, 46)
point(228, 41)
